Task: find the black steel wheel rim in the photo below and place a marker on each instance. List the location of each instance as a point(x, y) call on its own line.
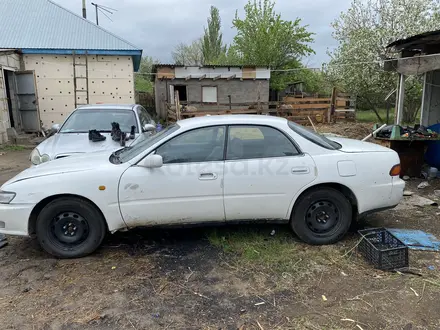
point(323, 217)
point(69, 228)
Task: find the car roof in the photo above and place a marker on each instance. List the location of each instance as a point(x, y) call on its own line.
point(231, 119)
point(108, 106)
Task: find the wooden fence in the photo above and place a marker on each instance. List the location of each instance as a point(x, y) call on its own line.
point(146, 100)
point(345, 106)
point(300, 110)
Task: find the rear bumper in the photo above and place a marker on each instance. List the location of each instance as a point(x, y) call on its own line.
point(397, 191)
point(14, 219)
point(381, 197)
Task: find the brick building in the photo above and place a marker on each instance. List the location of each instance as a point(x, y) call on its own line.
point(210, 86)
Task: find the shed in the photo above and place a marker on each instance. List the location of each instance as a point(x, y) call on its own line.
point(52, 61)
point(210, 86)
point(418, 55)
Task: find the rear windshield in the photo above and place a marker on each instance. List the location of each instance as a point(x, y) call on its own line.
point(314, 137)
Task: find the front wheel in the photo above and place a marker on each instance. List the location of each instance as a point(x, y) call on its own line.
point(70, 228)
point(321, 216)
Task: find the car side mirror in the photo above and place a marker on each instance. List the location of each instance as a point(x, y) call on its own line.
point(148, 128)
point(152, 161)
point(55, 127)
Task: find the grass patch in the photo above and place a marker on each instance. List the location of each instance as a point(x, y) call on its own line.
point(12, 147)
point(368, 116)
point(254, 248)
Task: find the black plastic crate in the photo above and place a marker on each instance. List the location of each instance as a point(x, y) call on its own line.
point(382, 249)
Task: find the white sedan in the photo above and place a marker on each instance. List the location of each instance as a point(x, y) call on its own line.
point(204, 170)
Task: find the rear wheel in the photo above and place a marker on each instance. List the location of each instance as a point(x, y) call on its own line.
point(321, 216)
point(70, 228)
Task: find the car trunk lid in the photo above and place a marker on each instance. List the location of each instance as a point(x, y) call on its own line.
point(356, 146)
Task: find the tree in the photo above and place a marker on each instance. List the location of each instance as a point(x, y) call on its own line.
point(190, 54)
point(212, 41)
point(363, 33)
point(142, 80)
point(264, 38)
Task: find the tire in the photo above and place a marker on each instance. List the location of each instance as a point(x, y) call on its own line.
point(70, 228)
point(321, 216)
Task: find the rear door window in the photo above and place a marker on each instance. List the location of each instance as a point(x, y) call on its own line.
point(252, 141)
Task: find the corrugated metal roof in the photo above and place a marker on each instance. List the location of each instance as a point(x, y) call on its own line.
point(43, 24)
point(416, 41)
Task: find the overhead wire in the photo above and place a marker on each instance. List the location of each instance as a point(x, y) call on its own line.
point(323, 68)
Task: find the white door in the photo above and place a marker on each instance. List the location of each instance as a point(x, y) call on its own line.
point(186, 189)
point(263, 172)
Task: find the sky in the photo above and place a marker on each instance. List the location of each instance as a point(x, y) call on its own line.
point(157, 26)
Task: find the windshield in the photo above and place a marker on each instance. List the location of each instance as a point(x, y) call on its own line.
point(314, 137)
point(84, 120)
point(144, 143)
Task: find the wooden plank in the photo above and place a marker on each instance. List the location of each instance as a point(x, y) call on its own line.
point(417, 65)
point(306, 112)
point(345, 111)
point(294, 100)
point(249, 73)
point(306, 107)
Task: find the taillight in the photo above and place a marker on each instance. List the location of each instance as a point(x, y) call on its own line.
point(395, 170)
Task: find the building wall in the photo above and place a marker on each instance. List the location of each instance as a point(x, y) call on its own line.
point(241, 91)
point(110, 80)
point(431, 99)
point(11, 61)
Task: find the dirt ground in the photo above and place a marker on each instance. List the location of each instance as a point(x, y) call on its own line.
point(214, 278)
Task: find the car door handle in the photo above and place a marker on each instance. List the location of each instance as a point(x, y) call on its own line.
point(208, 176)
point(300, 170)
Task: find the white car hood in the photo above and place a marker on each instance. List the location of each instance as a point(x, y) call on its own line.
point(356, 146)
point(72, 143)
point(83, 162)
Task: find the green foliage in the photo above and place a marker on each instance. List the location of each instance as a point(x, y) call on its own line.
point(314, 81)
point(363, 33)
point(212, 46)
point(190, 54)
point(142, 80)
point(264, 38)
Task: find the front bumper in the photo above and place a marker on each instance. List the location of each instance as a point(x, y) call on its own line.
point(14, 219)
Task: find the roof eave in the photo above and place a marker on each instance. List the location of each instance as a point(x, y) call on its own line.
point(135, 54)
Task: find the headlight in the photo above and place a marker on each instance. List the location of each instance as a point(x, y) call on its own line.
point(37, 159)
point(6, 197)
point(45, 158)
